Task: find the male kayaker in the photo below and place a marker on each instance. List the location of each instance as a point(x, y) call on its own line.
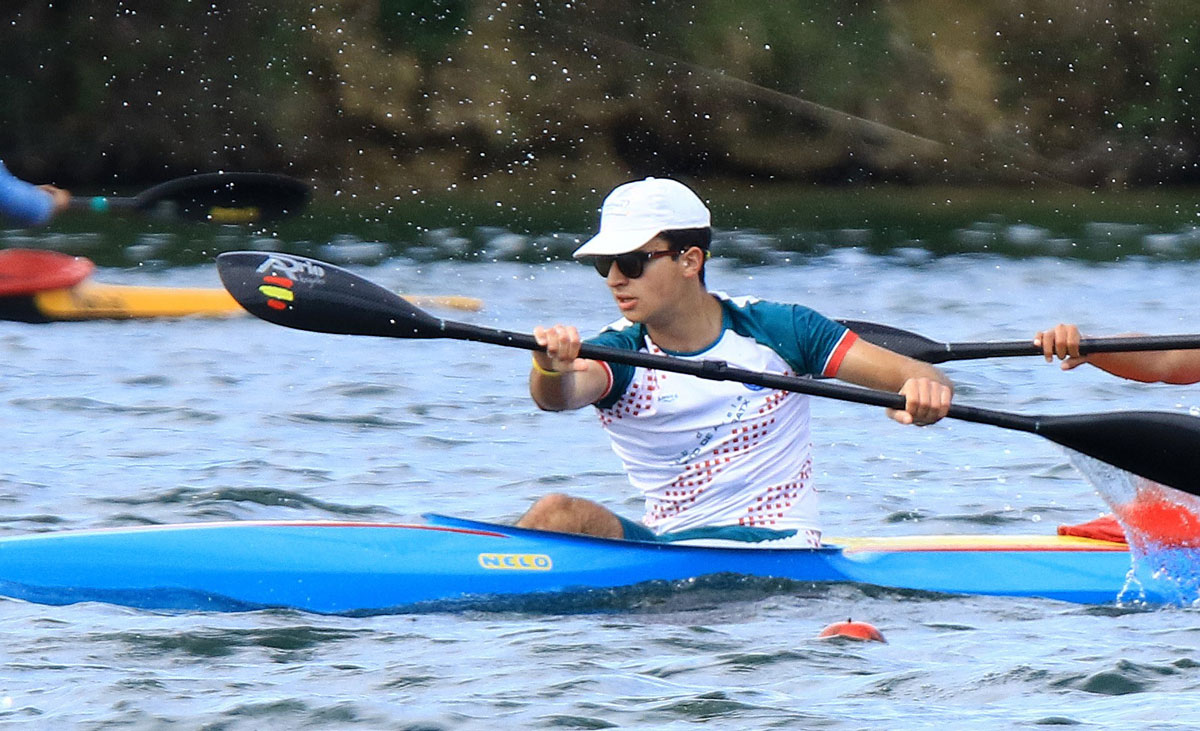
point(1166, 366)
point(714, 459)
point(28, 204)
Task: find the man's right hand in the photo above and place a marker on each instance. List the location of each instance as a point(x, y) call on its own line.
point(562, 343)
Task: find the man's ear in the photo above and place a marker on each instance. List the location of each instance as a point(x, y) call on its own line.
point(693, 259)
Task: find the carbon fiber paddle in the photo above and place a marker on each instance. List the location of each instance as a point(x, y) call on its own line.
point(212, 197)
point(307, 294)
point(931, 351)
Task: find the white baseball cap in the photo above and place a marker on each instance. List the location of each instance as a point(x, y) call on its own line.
point(636, 212)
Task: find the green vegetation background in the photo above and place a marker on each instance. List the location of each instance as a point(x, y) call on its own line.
point(391, 101)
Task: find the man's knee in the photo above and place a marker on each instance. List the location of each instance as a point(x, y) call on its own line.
point(555, 502)
point(548, 512)
point(566, 514)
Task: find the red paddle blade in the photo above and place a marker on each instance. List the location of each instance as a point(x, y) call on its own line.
point(26, 271)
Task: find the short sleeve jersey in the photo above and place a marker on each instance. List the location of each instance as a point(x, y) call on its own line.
point(711, 453)
point(23, 203)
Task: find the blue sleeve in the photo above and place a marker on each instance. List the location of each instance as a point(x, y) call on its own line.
point(823, 342)
point(811, 343)
point(24, 203)
point(628, 338)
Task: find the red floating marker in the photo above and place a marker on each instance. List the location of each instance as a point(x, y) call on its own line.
point(853, 630)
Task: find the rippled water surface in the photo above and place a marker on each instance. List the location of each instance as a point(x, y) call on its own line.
point(124, 423)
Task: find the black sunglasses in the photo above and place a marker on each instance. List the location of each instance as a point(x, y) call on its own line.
point(632, 265)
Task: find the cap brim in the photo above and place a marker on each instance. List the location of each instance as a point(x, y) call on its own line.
point(612, 243)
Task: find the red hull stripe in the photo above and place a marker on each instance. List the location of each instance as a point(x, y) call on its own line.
point(289, 524)
point(1099, 547)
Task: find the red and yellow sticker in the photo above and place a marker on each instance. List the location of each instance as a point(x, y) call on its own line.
point(278, 291)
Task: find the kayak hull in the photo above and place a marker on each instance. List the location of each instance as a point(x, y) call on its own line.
point(349, 568)
point(335, 568)
point(96, 301)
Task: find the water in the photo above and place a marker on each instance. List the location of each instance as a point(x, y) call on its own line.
point(125, 423)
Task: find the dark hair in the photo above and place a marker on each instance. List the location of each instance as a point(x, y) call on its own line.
point(682, 239)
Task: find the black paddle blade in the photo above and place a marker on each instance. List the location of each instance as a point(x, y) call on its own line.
point(226, 197)
point(307, 294)
point(1161, 446)
point(899, 341)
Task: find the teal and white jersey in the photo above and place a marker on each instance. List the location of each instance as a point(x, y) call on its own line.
point(708, 453)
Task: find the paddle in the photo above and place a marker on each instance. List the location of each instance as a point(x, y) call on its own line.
point(931, 351)
point(311, 295)
point(212, 197)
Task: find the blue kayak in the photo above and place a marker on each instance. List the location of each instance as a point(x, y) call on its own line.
point(358, 568)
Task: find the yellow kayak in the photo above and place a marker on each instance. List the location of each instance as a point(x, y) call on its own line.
point(44, 286)
point(96, 301)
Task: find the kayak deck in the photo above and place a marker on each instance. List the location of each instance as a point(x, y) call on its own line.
point(1069, 568)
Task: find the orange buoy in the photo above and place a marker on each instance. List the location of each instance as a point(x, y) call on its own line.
point(853, 630)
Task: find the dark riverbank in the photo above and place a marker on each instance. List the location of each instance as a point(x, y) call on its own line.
point(379, 98)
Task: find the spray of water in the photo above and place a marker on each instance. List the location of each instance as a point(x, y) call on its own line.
point(1162, 526)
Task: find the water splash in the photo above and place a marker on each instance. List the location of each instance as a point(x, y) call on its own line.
point(1162, 526)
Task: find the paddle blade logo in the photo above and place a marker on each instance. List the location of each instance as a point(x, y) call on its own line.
point(300, 270)
point(278, 291)
point(516, 561)
point(280, 274)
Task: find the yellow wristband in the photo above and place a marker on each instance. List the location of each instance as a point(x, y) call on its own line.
point(545, 372)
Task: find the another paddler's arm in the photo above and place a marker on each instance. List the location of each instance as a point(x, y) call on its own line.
point(560, 380)
point(28, 204)
point(926, 389)
point(1154, 366)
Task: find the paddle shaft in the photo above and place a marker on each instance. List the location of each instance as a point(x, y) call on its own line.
point(1087, 346)
point(234, 197)
point(720, 371)
point(1160, 446)
point(307, 294)
point(100, 203)
point(931, 351)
